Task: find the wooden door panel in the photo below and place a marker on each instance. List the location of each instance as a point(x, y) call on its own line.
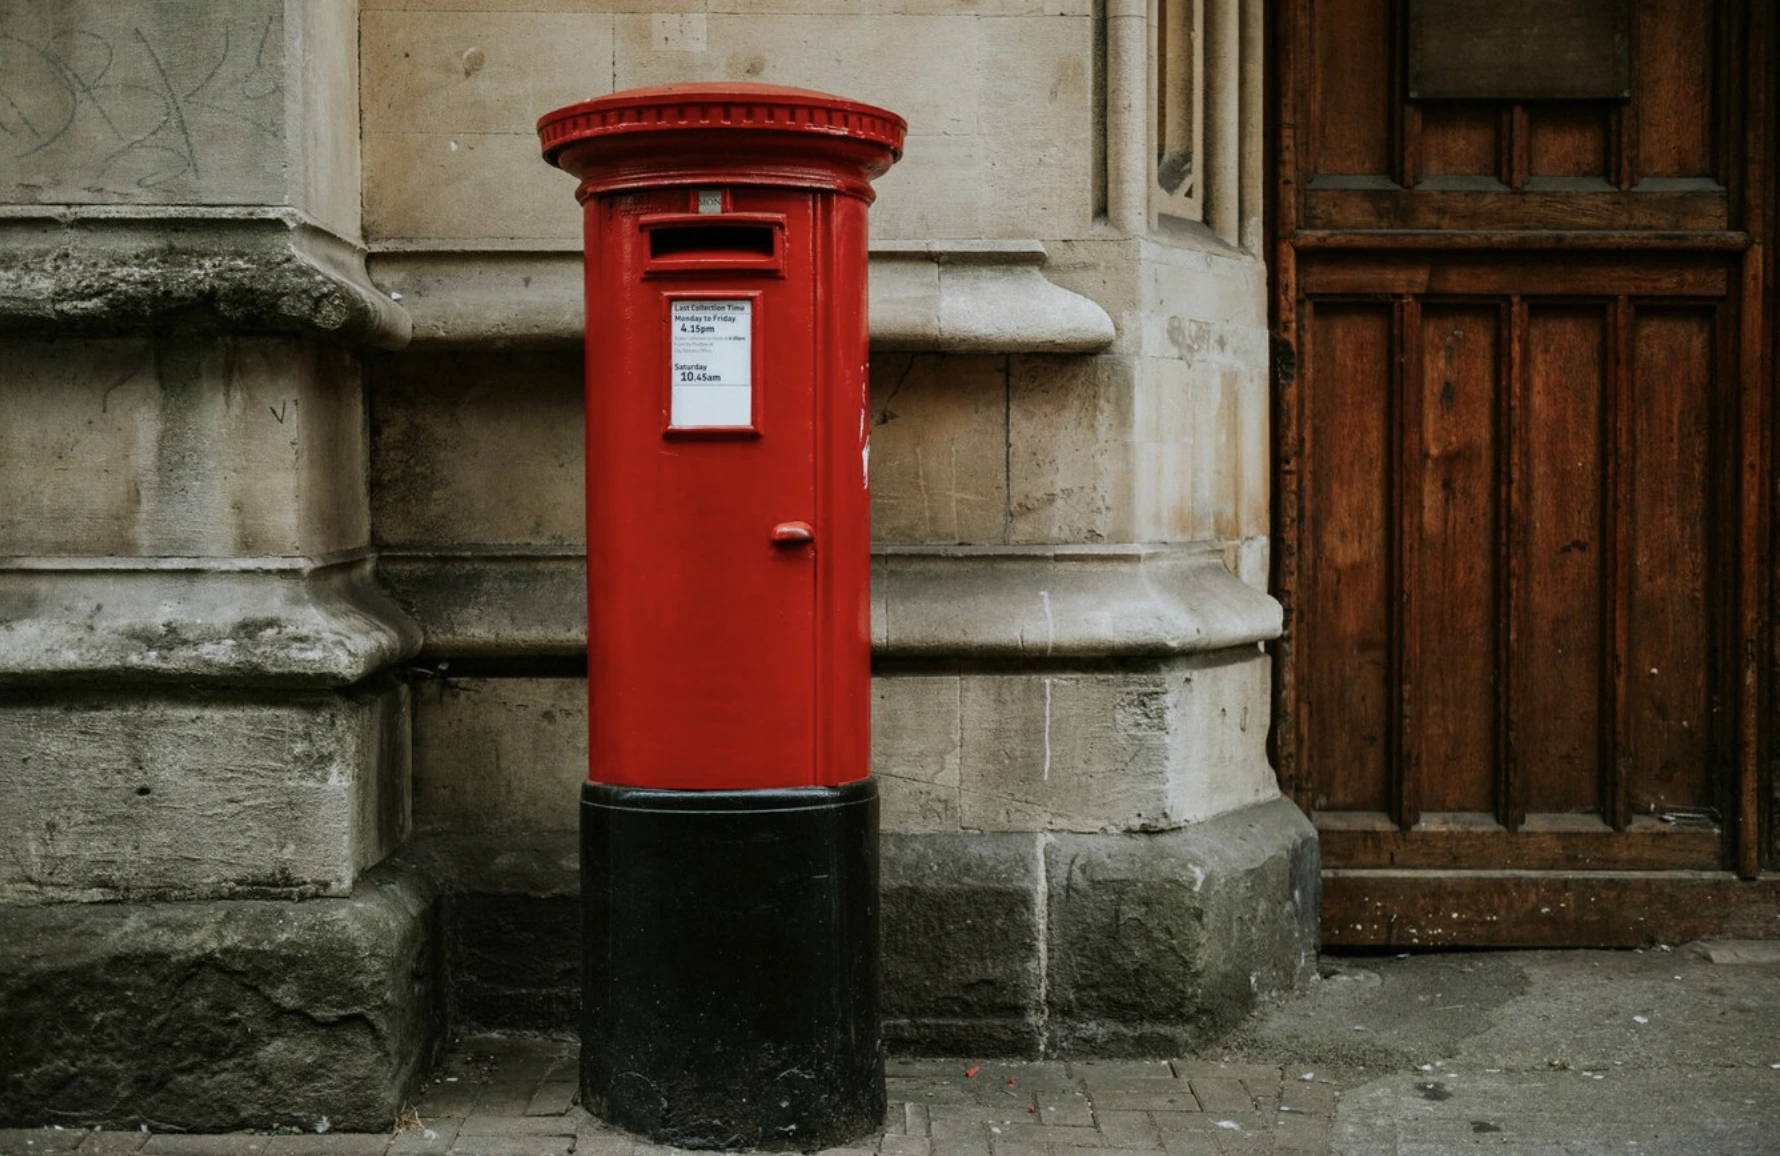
point(1674, 69)
point(1570, 140)
point(1462, 138)
point(1525, 399)
point(1558, 663)
point(1350, 681)
point(1451, 576)
point(1496, 572)
point(1351, 82)
point(1669, 662)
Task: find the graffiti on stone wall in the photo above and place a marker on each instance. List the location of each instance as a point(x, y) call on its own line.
point(134, 109)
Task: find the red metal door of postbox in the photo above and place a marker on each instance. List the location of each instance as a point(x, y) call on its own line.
point(708, 661)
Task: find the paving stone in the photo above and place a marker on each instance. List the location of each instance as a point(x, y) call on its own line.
point(894, 1069)
point(116, 1143)
point(1175, 1097)
point(905, 1145)
point(484, 1124)
point(1027, 1077)
point(1190, 1069)
point(1017, 1142)
point(1178, 1121)
point(1264, 1092)
point(1074, 1137)
point(451, 1098)
point(1218, 1134)
point(1128, 1129)
point(511, 1145)
point(929, 1090)
point(328, 1144)
point(1309, 1099)
point(947, 1131)
point(224, 1144)
point(17, 1140)
point(1066, 1109)
point(595, 1137)
point(434, 1137)
point(1122, 1075)
point(553, 1098)
point(915, 1120)
point(505, 1099)
point(1301, 1134)
point(1221, 1094)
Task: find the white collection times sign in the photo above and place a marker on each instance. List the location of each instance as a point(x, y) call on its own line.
point(712, 365)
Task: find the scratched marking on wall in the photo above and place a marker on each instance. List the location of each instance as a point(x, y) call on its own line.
point(114, 106)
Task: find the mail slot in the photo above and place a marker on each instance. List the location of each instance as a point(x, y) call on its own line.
point(729, 823)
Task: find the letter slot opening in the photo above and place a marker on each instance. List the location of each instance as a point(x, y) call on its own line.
point(687, 243)
point(748, 242)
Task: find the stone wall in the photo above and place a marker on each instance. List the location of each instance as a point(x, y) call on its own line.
point(291, 556)
point(1070, 506)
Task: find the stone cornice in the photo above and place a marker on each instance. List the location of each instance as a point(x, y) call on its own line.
point(67, 270)
point(240, 622)
point(998, 604)
point(962, 296)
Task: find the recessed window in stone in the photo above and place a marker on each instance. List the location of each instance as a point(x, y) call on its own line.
point(1205, 72)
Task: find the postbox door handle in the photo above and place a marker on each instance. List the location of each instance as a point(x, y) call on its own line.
point(793, 534)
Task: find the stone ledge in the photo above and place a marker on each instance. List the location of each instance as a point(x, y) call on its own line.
point(992, 603)
point(485, 605)
point(945, 296)
point(99, 271)
point(1061, 602)
point(226, 1014)
point(247, 622)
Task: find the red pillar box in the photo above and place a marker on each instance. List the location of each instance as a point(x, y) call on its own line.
point(729, 824)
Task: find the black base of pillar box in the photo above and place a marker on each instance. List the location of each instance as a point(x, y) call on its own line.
point(731, 964)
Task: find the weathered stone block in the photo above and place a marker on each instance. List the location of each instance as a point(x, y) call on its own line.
point(136, 102)
point(181, 446)
point(1037, 106)
point(1145, 748)
point(499, 755)
point(479, 71)
point(217, 1015)
point(1159, 942)
point(962, 943)
point(526, 604)
point(510, 927)
point(917, 741)
point(477, 450)
point(1066, 751)
point(109, 796)
point(939, 448)
point(187, 111)
point(1069, 429)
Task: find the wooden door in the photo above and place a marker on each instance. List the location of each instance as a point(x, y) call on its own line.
point(1521, 288)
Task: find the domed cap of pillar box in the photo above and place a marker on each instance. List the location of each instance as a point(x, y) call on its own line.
point(722, 134)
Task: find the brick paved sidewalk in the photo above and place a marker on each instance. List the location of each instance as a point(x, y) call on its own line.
point(504, 1096)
